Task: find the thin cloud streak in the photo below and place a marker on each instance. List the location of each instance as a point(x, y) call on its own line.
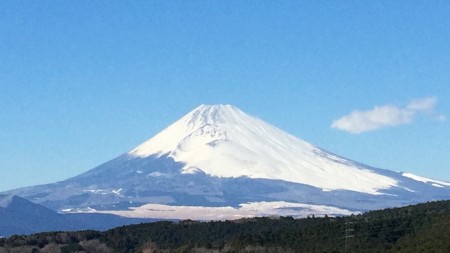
point(386, 116)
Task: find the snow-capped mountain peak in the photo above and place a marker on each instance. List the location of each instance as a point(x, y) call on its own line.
point(219, 162)
point(201, 124)
point(223, 141)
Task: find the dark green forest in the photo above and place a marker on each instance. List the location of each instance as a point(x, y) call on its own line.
point(418, 228)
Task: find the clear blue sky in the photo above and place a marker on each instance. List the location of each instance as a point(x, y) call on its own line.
point(82, 82)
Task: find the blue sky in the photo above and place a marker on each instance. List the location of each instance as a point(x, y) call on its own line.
point(83, 82)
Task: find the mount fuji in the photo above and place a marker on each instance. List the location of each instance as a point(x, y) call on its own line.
point(217, 162)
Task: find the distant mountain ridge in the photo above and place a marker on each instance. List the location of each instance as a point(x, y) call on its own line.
point(219, 157)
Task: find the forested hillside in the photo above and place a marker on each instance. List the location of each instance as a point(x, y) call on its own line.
point(418, 228)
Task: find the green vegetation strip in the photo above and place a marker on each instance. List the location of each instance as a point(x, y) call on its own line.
point(418, 228)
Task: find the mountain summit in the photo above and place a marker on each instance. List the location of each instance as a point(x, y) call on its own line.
point(223, 141)
point(218, 162)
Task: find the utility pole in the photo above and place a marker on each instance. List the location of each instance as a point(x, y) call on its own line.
point(349, 233)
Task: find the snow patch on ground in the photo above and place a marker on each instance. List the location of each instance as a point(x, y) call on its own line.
point(98, 191)
point(117, 192)
point(104, 192)
point(246, 210)
point(156, 174)
point(79, 210)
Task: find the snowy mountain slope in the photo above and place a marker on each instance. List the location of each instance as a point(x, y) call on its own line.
point(218, 156)
point(436, 183)
point(222, 141)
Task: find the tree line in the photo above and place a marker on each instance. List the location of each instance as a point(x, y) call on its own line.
point(419, 228)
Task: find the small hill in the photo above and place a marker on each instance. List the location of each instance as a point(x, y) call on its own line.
point(20, 216)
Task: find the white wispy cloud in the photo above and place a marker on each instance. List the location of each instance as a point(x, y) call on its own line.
point(387, 115)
